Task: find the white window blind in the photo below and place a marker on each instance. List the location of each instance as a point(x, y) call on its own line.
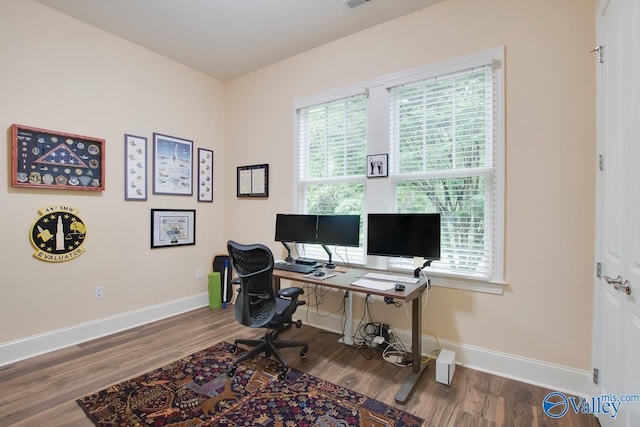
point(331, 166)
point(442, 126)
point(442, 138)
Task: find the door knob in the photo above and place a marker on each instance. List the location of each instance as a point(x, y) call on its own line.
point(619, 283)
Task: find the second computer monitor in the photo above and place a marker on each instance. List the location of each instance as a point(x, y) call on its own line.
point(404, 235)
point(339, 230)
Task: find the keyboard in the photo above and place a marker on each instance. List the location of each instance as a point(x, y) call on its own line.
point(392, 278)
point(297, 268)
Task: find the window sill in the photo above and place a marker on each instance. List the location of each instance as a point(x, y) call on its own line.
point(467, 284)
point(453, 281)
point(449, 280)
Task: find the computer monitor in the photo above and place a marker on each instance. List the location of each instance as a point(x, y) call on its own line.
point(404, 235)
point(339, 230)
point(296, 228)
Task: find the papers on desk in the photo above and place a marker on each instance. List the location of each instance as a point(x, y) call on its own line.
point(374, 284)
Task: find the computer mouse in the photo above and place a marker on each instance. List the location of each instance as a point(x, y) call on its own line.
point(319, 273)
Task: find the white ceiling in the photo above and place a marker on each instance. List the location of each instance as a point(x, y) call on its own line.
point(229, 38)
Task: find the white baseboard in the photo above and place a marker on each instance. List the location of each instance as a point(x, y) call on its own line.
point(13, 351)
point(555, 377)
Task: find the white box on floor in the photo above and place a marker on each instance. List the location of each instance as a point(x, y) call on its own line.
point(445, 366)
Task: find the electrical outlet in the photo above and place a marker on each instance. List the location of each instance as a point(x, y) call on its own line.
point(369, 298)
point(99, 292)
point(199, 273)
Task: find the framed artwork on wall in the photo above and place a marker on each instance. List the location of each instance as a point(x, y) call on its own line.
point(42, 158)
point(377, 165)
point(252, 181)
point(173, 227)
point(205, 175)
point(135, 167)
point(172, 165)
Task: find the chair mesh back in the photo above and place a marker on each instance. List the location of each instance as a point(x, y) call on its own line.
point(253, 264)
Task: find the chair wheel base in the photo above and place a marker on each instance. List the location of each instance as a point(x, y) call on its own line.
point(283, 374)
point(231, 372)
point(303, 352)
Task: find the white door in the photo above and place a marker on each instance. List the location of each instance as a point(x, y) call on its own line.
point(617, 292)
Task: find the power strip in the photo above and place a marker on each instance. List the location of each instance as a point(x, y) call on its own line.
point(393, 358)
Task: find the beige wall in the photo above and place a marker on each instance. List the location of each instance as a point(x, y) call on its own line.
point(60, 74)
point(63, 75)
point(546, 311)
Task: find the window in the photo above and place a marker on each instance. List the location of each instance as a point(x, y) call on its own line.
point(331, 169)
point(443, 132)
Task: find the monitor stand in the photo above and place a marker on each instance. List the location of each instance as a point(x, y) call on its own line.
point(288, 258)
point(416, 272)
point(330, 263)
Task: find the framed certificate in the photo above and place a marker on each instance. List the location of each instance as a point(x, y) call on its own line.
point(253, 181)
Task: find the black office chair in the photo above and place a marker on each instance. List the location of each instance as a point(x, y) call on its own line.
point(257, 306)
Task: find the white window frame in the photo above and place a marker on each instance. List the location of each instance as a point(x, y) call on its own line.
point(379, 192)
point(347, 255)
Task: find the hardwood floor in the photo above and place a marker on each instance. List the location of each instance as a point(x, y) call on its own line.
point(41, 391)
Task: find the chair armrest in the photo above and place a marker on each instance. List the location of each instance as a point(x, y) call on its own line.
point(290, 292)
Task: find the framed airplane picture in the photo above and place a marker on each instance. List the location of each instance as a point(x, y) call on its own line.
point(172, 165)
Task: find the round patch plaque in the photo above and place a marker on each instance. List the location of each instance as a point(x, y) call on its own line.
point(58, 234)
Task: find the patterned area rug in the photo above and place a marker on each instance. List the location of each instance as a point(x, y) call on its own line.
point(195, 391)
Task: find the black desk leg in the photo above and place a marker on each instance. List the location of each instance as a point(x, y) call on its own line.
point(417, 369)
